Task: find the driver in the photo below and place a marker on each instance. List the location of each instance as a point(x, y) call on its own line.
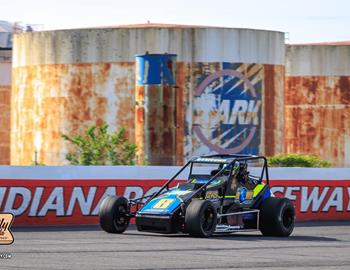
point(243, 177)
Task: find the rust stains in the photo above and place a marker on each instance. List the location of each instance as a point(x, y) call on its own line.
point(121, 109)
point(49, 100)
point(344, 88)
point(273, 109)
point(5, 116)
point(139, 123)
point(155, 124)
point(269, 109)
point(182, 69)
point(317, 116)
point(81, 97)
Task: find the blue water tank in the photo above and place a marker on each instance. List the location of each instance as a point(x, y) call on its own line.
point(153, 69)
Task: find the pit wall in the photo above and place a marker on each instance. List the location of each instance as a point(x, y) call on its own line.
point(72, 195)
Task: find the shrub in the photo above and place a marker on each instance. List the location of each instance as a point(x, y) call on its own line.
point(99, 147)
point(297, 160)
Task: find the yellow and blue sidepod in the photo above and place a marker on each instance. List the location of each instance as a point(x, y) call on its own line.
point(166, 204)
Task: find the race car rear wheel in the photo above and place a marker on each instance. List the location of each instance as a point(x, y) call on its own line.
point(200, 218)
point(114, 214)
point(277, 217)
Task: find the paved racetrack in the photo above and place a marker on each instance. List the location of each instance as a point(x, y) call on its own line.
point(315, 246)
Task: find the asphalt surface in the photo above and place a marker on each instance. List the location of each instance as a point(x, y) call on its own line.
point(311, 246)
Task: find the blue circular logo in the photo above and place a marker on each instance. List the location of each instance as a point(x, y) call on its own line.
point(228, 111)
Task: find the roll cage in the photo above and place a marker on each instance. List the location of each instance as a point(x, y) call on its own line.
point(226, 162)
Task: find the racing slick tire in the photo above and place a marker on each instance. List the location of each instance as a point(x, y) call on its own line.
point(277, 217)
point(200, 218)
point(114, 214)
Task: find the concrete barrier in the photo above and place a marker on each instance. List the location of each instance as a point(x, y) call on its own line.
point(72, 194)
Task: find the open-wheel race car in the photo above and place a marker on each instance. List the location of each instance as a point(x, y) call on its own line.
point(219, 196)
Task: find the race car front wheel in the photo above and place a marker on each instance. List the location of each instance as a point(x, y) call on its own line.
point(200, 218)
point(277, 217)
point(114, 214)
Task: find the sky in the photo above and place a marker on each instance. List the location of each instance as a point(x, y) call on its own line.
point(303, 21)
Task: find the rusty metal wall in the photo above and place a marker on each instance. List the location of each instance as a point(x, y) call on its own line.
point(274, 80)
point(317, 102)
point(5, 105)
point(54, 99)
point(66, 80)
point(155, 109)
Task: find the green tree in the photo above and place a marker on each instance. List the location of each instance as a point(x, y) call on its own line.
point(297, 160)
point(97, 146)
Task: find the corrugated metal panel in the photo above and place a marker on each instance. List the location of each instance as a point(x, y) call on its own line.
point(6, 30)
point(5, 40)
point(239, 46)
point(317, 101)
point(54, 99)
point(183, 86)
point(332, 43)
point(121, 45)
point(273, 110)
point(317, 119)
point(318, 60)
point(5, 101)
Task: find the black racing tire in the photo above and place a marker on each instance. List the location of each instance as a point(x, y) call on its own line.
point(201, 218)
point(277, 217)
point(114, 214)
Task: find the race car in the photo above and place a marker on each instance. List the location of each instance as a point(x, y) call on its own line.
point(220, 195)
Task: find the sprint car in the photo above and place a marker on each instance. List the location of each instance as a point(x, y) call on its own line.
point(219, 196)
